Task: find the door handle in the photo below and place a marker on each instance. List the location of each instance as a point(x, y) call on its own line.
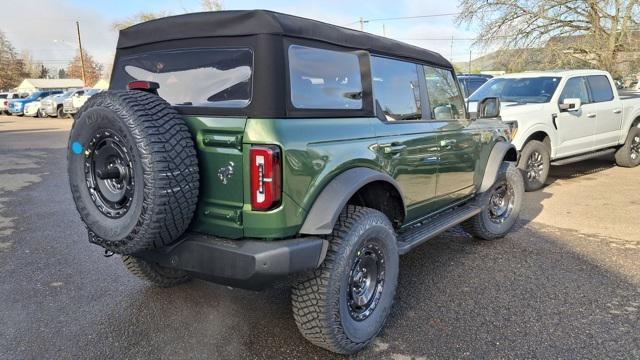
point(448, 143)
point(617, 111)
point(393, 148)
point(591, 115)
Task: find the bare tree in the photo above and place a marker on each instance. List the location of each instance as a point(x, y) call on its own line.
point(32, 66)
point(211, 5)
point(205, 5)
point(569, 31)
point(138, 18)
point(13, 69)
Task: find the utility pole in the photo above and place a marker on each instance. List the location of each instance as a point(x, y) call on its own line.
point(361, 24)
point(469, 69)
point(81, 54)
point(384, 31)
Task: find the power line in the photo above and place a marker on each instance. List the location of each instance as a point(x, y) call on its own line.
point(364, 21)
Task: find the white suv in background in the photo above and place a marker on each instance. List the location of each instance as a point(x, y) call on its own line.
point(563, 117)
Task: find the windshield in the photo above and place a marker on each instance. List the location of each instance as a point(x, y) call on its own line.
point(520, 90)
point(34, 95)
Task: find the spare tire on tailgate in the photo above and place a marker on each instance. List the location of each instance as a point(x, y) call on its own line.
point(133, 171)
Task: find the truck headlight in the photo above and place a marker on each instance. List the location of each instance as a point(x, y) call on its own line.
point(512, 129)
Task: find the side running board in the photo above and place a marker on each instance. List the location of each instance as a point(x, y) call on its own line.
point(434, 226)
point(587, 156)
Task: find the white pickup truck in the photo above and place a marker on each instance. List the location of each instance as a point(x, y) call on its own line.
point(563, 117)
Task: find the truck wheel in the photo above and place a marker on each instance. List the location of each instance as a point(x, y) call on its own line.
point(154, 273)
point(534, 164)
point(500, 205)
point(133, 171)
point(61, 114)
point(629, 154)
point(347, 301)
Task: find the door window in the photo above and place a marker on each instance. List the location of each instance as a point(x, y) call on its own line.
point(445, 100)
point(575, 88)
point(600, 88)
point(396, 88)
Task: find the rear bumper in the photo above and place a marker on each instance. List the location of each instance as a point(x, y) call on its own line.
point(249, 264)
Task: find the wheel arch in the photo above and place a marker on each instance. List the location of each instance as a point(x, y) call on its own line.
point(356, 186)
point(502, 151)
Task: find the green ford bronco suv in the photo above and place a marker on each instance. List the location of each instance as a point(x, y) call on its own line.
point(252, 148)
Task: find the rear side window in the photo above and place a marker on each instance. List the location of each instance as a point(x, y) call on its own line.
point(193, 77)
point(445, 100)
point(324, 79)
point(396, 88)
point(575, 88)
point(600, 88)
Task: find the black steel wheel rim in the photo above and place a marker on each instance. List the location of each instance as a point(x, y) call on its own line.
point(109, 173)
point(366, 281)
point(635, 147)
point(501, 203)
point(535, 166)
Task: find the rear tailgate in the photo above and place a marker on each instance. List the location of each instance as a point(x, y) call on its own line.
point(219, 144)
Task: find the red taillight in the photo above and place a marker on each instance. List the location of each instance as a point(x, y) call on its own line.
point(6, 102)
point(143, 85)
point(265, 177)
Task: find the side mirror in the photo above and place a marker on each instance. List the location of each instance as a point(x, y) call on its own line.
point(570, 104)
point(489, 108)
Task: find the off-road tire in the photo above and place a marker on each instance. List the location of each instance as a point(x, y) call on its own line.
point(163, 167)
point(154, 273)
point(529, 150)
point(320, 306)
point(623, 154)
point(481, 225)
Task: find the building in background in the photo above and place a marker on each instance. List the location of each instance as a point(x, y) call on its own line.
point(31, 85)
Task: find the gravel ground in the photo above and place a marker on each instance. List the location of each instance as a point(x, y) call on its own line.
point(565, 284)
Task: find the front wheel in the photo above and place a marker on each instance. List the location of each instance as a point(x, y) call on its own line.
point(629, 154)
point(347, 301)
point(500, 205)
point(534, 163)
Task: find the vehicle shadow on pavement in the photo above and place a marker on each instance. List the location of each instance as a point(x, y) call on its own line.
point(580, 169)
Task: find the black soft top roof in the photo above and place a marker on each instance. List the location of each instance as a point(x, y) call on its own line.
point(254, 22)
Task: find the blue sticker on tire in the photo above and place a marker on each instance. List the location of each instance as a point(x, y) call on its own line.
point(76, 147)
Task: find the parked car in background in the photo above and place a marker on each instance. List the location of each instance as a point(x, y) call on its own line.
point(486, 76)
point(5, 97)
point(471, 83)
point(73, 103)
point(565, 116)
point(33, 109)
point(17, 106)
point(53, 106)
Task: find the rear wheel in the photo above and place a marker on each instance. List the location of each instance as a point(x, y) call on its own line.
point(534, 163)
point(500, 205)
point(154, 273)
point(629, 154)
point(347, 301)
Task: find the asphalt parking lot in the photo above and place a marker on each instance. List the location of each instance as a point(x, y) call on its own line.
point(565, 284)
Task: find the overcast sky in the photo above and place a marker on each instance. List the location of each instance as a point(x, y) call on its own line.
point(47, 28)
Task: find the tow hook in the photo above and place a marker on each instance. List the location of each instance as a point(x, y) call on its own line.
point(108, 253)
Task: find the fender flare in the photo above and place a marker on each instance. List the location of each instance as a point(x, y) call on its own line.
point(496, 157)
point(324, 213)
